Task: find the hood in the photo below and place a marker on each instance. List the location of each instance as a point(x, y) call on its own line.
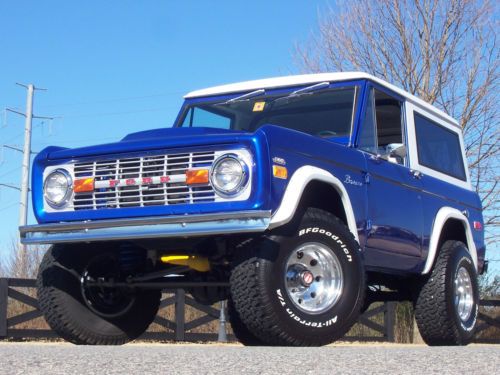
point(174, 132)
point(153, 140)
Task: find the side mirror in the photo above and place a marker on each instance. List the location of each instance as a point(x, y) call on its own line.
point(397, 150)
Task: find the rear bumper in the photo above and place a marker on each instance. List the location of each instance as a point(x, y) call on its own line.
point(146, 228)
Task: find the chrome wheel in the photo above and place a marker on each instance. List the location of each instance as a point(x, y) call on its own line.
point(313, 278)
point(464, 297)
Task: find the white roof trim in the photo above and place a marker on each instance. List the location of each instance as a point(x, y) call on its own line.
point(305, 79)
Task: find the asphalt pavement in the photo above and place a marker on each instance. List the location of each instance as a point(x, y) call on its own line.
point(61, 358)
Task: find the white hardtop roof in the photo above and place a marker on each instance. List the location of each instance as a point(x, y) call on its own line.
point(305, 79)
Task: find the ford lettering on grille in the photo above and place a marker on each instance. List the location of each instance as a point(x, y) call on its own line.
point(142, 181)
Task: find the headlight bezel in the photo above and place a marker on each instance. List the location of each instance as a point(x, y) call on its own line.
point(69, 188)
point(242, 184)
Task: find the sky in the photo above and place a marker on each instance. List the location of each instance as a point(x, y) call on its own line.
point(115, 67)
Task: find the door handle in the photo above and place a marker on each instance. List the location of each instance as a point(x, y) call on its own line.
point(417, 174)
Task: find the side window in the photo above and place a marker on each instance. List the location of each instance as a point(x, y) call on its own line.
point(382, 129)
point(198, 117)
point(438, 148)
point(368, 135)
point(388, 114)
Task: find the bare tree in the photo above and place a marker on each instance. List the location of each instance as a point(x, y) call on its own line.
point(443, 51)
point(21, 262)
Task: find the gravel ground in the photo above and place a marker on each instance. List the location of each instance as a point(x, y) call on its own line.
point(37, 358)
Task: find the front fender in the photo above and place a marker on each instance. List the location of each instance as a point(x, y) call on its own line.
point(293, 193)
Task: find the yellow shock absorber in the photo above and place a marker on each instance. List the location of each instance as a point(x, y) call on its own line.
point(194, 262)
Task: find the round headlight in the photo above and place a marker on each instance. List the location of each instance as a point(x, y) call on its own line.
point(57, 187)
point(229, 175)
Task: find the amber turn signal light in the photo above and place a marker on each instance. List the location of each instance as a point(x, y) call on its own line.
point(280, 172)
point(83, 185)
point(197, 176)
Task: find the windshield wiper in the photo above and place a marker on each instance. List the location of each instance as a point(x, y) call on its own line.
point(306, 90)
point(315, 87)
point(246, 96)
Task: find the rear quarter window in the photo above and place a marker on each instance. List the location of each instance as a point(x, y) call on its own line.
point(438, 148)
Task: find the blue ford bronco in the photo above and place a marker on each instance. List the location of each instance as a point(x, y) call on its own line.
point(301, 200)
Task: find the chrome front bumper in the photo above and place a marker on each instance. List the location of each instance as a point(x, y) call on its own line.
point(144, 228)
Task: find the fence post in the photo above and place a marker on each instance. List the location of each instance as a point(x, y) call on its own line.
point(4, 286)
point(180, 310)
point(222, 323)
point(390, 320)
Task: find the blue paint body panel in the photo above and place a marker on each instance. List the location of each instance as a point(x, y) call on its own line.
point(161, 142)
point(395, 208)
point(394, 212)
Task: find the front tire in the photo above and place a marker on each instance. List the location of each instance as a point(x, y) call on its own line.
point(239, 328)
point(89, 316)
point(447, 305)
point(301, 290)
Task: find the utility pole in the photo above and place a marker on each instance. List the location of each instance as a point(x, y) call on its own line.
point(23, 206)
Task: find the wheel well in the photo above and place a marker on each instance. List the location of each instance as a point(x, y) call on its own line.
point(453, 229)
point(324, 196)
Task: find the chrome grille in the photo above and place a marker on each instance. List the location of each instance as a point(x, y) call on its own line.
point(164, 174)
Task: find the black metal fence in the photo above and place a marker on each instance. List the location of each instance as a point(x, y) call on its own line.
point(203, 323)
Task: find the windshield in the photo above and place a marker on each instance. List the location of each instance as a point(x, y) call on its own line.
point(325, 113)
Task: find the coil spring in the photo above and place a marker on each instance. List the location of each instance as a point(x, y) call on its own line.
point(131, 258)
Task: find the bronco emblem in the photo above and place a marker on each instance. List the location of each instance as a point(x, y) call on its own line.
point(350, 181)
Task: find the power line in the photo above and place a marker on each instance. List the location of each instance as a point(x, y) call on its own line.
point(11, 186)
point(8, 206)
point(103, 114)
point(20, 134)
point(113, 100)
point(10, 171)
point(79, 140)
point(18, 149)
point(15, 137)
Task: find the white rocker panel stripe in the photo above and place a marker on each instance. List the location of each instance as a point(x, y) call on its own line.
point(295, 188)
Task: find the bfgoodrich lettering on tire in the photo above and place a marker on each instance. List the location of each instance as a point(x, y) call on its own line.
point(447, 305)
point(303, 289)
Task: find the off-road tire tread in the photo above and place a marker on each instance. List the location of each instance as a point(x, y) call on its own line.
point(253, 302)
point(431, 314)
point(239, 328)
point(56, 314)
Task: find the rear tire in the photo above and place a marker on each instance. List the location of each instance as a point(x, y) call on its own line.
point(447, 305)
point(67, 309)
point(301, 290)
